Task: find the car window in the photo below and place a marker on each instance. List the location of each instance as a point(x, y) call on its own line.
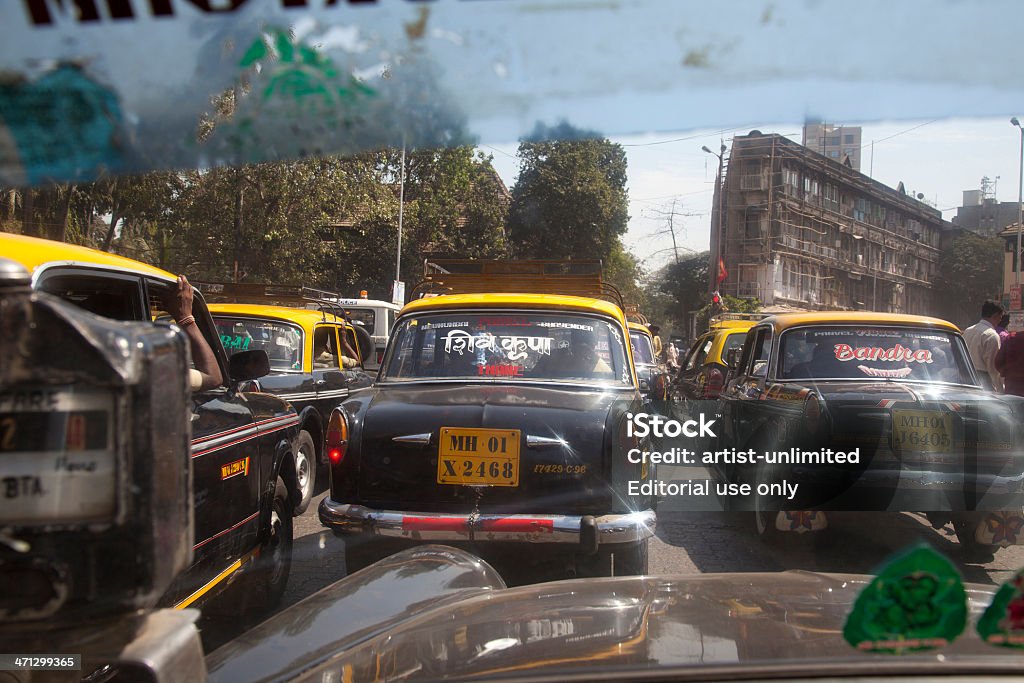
point(512, 346)
point(699, 352)
point(761, 352)
point(325, 347)
point(733, 341)
point(281, 341)
point(643, 351)
point(110, 295)
point(363, 316)
point(850, 352)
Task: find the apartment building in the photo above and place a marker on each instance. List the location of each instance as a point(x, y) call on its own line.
point(802, 230)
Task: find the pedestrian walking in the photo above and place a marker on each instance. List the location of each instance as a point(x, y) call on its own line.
point(983, 345)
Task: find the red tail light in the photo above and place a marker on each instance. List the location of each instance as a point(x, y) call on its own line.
point(714, 384)
point(380, 357)
point(337, 437)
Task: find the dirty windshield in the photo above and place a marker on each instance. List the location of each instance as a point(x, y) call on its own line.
point(836, 490)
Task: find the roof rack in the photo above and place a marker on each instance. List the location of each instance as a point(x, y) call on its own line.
point(468, 276)
point(293, 296)
point(634, 315)
point(727, 317)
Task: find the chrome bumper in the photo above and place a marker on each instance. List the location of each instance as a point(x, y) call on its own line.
point(586, 530)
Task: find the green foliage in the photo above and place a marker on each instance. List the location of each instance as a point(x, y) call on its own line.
point(970, 271)
point(570, 199)
point(322, 222)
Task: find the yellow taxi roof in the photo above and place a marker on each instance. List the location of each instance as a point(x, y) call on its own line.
point(639, 328)
point(36, 254)
point(553, 301)
point(786, 320)
point(304, 317)
point(732, 324)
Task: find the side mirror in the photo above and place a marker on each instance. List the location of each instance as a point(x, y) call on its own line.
point(732, 358)
point(246, 365)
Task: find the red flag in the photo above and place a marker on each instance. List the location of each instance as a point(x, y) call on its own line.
point(722, 272)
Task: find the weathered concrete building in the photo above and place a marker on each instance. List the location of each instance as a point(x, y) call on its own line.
point(803, 230)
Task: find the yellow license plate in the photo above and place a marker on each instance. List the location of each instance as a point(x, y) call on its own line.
point(478, 457)
point(921, 431)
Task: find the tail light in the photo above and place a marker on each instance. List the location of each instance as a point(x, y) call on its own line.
point(337, 437)
point(380, 357)
point(714, 384)
point(660, 386)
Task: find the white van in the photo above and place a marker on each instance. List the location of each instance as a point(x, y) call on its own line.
point(377, 317)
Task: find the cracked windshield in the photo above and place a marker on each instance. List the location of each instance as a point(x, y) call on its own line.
point(420, 340)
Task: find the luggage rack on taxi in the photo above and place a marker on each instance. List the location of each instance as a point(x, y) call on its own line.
point(468, 276)
point(723, 319)
point(292, 296)
point(634, 315)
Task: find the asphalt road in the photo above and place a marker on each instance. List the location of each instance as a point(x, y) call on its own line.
point(690, 542)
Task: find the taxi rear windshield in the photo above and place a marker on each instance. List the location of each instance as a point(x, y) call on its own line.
point(873, 353)
point(508, 346)
point(283, 343)
point(643, 352)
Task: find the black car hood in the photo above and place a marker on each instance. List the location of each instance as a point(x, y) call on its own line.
point(710, 625)
point(899, 391)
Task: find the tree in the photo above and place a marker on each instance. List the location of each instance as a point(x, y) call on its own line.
point(970, 271)
point(570, 199)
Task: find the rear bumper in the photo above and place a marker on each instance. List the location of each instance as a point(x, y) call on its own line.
point(587, 531)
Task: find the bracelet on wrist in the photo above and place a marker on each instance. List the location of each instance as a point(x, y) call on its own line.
point(187, 320)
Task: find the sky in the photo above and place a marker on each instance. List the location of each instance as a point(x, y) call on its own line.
point(938, 158)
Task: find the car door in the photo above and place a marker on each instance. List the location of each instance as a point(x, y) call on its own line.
point(692, 365)
point(744, 408)
point(226, 473)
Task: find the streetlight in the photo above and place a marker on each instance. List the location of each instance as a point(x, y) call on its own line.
point(716, 236)
point(1020, 201)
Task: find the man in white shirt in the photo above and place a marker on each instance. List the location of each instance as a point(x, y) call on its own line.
point(983, 344)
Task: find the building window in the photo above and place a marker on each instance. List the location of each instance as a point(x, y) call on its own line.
point(848, 139)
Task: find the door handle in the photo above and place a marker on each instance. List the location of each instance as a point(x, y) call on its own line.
point(321, 382)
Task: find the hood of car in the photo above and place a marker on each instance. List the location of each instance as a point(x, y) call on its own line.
point(733, 625)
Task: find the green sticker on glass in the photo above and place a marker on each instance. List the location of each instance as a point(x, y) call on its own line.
point(917, 602)
point(1003, 621)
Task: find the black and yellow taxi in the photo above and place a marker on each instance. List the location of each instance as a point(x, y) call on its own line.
point(871, 411)
point(498, 420)
point(316, 358)
point(244, 484)
point(703, 370)
point(654, 380)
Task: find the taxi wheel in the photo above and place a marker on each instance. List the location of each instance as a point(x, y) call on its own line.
point(305, 470)
point(977, 552)
point(274, 564)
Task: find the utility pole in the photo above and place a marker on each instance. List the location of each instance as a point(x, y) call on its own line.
point(401, 207)
point(716, 232)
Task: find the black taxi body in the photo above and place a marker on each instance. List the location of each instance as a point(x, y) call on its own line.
point(244, 487)
point(872, 411)
point(704, 369)
point(307, 368)
point(498, 419)
point(650, 371)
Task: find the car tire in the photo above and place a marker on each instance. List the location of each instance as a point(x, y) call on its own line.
point(975, 551)
point(306, 465)
point(270, 572)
